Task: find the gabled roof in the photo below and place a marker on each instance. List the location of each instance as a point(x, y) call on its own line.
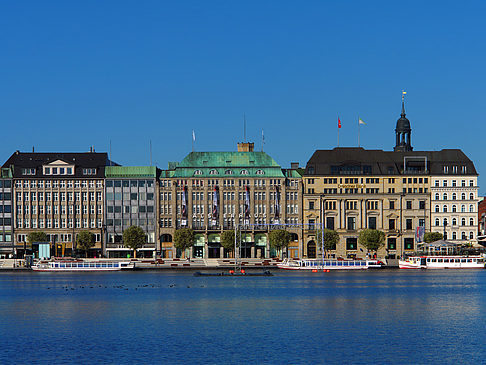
point(229, 164)
point(35, 160)
point(379, 162)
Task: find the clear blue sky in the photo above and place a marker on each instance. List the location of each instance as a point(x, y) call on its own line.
point(75, 74)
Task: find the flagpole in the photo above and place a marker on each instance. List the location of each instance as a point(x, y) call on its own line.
point(359, 129)
point(338, 129)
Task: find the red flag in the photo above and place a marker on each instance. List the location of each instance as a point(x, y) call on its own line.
point(339, 123)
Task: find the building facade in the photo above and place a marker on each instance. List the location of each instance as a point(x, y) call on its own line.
point(215, 191)
point(131, 200)
point(6, 217)
point(404, 193)
point(60, 194)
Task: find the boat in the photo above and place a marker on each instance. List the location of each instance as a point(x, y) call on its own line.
point(442, 262)
point(80, 265)
point(233, 273)
point(329, 264)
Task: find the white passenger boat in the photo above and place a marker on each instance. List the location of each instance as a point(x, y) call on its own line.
point(78, 265)
point(319, 264)
point(442, 262)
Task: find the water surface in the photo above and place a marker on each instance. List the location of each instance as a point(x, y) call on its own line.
point(388, 316)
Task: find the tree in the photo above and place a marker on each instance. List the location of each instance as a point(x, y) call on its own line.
point(228, 240)
point(432, 236)
point(85, 240)
point(134, 237)
point(183, 238)
point(331, 239)
point(371, 239)
point(37, 237)
point(279, 239)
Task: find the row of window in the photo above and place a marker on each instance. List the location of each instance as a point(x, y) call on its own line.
point(59, 223)
point(62, 196)
point(445, 222)
point(48, 209)
point(228, 172)
point(453, 196)
point(129, 222)
point(129, 196)
point(130, 209)
point(129, 183)
point(55, 183)
point(453, 183)
point(57, 238)
point(372, 223)
point(454, 208)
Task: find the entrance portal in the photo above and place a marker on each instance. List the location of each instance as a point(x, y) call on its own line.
point(311, 250)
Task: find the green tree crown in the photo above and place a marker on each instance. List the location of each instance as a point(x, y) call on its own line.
point(134, 237)
point(432, 237)
point(37, 237)
point(184, 238)
point(279, 238)
point(371, 239)
point(85, 240)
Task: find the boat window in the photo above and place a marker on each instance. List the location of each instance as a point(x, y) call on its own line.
point(446, 260)
point(345, 263)
point(457, 260)
point(62, 265)
point(428, 260)
point(103, 265)
point(110, 265)
point(91, 265)
point(469, 260)
point(333, 263)
point(351, 263)
point(439, 260)
point(463, 260)
point(68, 265)
point(340, 263)
point(98, 265)
point(56, 265)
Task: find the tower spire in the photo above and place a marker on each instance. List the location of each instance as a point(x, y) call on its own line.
point(403, 132)
point(403, 103)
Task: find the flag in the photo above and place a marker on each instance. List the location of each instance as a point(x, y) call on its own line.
point(184, 206)
point(404, 93)
point(360, 121)
point(247, 202)
point(277, 205)
point(339, 123)
point(215, 204)
point(193, 136)
point(263, 137)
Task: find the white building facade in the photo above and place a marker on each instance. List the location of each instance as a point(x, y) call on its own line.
point(454, 203)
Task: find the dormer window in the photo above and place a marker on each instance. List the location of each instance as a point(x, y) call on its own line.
point(260, 172)
point(198, 172)
point(213, 172)
point(54, 170)
point(228, 172)
point(58, 167)
point(28, 171)
point(244, 172)
point(89, 171)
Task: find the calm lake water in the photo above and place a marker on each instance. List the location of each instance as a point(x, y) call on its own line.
point(387, 316)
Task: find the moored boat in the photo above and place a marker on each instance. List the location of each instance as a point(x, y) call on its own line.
point(79, 265)
point(442, 262)
point(330, 264)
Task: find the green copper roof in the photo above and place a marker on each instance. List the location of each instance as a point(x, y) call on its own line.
point(130, 171)
point(228, 165)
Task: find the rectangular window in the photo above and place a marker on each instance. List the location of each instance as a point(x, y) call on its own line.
point(408, 243)
point(391, 224)
point(351, 243)
point(351, 223)
point(392, 243)
point(408, 223)
point(409, 204)
point(392, 204)
point(330, 223)
point(372, 222)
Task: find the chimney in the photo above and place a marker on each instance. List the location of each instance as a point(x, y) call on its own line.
point(245, 146)
point(33, 149)
point(294, 165)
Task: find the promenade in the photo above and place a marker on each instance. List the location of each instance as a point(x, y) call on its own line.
point(168, 264)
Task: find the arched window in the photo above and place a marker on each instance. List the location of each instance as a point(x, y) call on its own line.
point(260, 172)
point(198, 172)
point(463, 221)
point(463, 235)
point(437, 196)
point(471, 208)
point(228, 172)
point(463, 196)
point(444, 208)
point(244, 172)
point(454, 221)
point(437, 222)
point(437, 209)
point(444, 196)
point(463, 208)
point(454, 208)
point(471, 196)
point(454, 235)
point(445, 222)
point(454, 196)
point(471, 221)
point(471, 235)
point(213, 172)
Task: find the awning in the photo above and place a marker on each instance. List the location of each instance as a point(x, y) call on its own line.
point(119, 249)
point(146, 249)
